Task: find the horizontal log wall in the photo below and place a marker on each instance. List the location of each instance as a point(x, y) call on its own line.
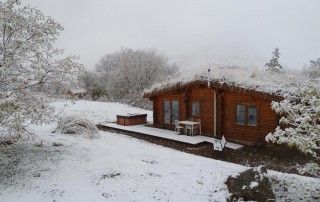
point(205, 97)
point(266, 119)
point(200, 94)
point(226, 113)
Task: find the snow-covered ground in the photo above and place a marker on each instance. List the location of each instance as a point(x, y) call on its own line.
point(98, 112)
point(120, 168)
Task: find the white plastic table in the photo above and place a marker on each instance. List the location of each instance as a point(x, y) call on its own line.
point(190, 123)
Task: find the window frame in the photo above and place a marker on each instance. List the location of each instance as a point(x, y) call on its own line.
point(246, 114)
point(192, 104)
point(170, 111)
point(249, 124)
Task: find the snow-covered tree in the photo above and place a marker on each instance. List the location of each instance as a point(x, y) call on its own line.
point(91, 82)
point(126, 73)
point(300, 121)
point(314, 69)
point(273, 65)
point(28, 59)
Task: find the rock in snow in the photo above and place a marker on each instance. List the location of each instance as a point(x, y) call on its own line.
point(250, 185)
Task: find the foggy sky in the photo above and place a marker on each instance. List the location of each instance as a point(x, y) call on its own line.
point(189, 32)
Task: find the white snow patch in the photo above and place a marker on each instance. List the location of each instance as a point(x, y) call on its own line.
point(99, 112)
point(235, 175)
point(253, 185)
point(120, 168)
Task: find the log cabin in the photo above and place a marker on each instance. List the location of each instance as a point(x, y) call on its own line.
point(242, 115)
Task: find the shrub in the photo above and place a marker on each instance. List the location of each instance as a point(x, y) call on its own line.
point(75, 124)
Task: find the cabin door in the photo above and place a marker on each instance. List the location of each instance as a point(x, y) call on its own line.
point(171, 111)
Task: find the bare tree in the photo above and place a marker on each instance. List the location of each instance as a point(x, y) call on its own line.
point(126, 73)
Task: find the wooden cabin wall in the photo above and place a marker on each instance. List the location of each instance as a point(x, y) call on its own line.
point(205, 96)
point(227, 100)
point(266, 119)
point(201, 94)
point(158, 112)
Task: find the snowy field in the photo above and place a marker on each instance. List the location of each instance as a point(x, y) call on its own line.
point(120, 168)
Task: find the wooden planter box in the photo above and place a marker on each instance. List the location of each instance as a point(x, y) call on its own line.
point(131, 119)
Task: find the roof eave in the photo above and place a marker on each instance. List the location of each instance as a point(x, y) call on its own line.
point(218, 85)
point(174, 87)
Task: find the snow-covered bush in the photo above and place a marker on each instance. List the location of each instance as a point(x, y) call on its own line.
point(300, 119)
point(28, 59)
point(75, 124)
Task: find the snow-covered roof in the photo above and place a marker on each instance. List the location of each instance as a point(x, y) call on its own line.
point(276, 84)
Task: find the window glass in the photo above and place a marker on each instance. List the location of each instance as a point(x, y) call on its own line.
point(167, 113)
point(175, 110)
point(252, 115)
point(240, 114)
point(196, 108)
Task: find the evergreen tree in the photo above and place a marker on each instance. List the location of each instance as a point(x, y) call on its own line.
point(314, 69)
point(274, 65)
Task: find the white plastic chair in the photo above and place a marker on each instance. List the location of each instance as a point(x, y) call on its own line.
point(189, 128)
point(218, 145)
point(177, 126)
point(198, 126)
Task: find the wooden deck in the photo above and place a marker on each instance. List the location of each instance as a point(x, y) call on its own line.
point(168, 134)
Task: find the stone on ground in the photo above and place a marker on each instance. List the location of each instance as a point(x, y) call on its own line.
point(250, 185)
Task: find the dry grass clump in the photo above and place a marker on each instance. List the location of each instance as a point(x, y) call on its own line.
point(75, 124)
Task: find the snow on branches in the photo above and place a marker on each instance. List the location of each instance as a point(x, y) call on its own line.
point(314, 69)
point(126, 73)
point(273, 65)
point(301, 117)
point(300, 121)
point(28, 59)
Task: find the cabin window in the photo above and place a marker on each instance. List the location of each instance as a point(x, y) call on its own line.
point(252, 115)
point(167, 111)
point(246, 114)
point(171, 111)
point(240, 114)
point(195, 108)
